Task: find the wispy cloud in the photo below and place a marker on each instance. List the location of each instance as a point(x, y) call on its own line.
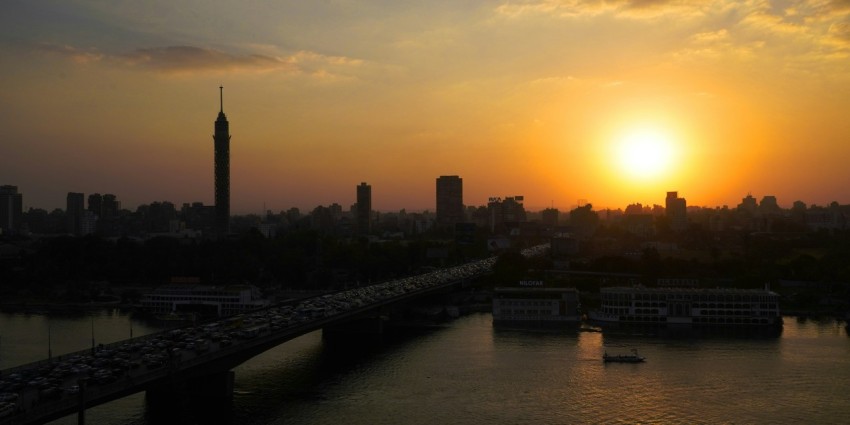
point(590, 8)
point(717, 45)
point(177, 60)
point(74, 54)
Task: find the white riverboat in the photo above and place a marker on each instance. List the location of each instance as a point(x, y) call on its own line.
point(181, 300)
point(536, 305)
point(690, 306)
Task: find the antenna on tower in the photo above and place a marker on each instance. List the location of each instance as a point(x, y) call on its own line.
point(221, 97)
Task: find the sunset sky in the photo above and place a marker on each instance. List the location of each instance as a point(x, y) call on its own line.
point(545, 99)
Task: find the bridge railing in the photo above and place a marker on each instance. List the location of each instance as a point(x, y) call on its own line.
point(107, 391)
point(81, 353)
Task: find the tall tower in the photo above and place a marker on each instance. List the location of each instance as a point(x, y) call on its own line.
point(221, 139)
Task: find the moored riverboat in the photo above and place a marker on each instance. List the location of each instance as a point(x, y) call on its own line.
point(688, 306)
point(536, 305)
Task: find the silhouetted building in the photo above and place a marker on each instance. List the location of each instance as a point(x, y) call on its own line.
point(110, 206)
point(584, 221)
point(364, 208)
point(88, 223)
point(96, 204)
point(449, 200)
point(677, 211)
point(506, 211)
point(221, 140)
point(748, 204)
point(11, 209)
point(198, 216)
point(549, 217)
point(74, 207)
point(322, 219)
point(769, 206)
point(826, 218)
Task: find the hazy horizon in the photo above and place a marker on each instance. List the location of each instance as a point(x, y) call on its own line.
point(610, 101)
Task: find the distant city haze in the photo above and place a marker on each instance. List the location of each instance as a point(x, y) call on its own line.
point(610, 102)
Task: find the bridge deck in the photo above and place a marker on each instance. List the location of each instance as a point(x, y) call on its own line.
point(47, 390)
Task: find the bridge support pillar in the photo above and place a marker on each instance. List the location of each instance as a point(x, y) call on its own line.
point(362, 326)
point(216, 386)
point(81, 399)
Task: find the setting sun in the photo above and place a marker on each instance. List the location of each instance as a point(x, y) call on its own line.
point(645, 153)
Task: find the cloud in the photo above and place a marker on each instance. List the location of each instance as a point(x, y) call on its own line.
point(590, 8)
point(718, 45)
point(840, 30)
point(75, 54)
point(178, 60)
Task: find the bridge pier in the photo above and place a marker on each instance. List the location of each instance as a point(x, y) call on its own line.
point(81, 400)
point(213, 387)
point(362, 326)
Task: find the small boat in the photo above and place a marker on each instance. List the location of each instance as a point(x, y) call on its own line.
point(624, 358)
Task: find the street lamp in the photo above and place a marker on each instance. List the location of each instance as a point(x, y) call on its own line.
point(92, 334)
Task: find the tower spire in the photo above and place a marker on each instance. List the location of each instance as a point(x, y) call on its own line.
point(221, 141)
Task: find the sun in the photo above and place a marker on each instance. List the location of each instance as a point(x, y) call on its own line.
point(645, 153)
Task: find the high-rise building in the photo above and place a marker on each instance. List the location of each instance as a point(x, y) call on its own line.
point(768, 205)
point(96, 204)
point(221, 140)
point(11, 209)
point(449, 200)
point(677, 211)
point(364, 208)
point(549, 217)
point(748, 204)
point(111, 206)
point(74, 207)
point(506, 211)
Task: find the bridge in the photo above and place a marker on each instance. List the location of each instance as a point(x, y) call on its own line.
point(198, 360)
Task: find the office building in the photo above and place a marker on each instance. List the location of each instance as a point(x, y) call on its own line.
point(11, 209)
point(449, 200)
point(364, 209)
point(96, 204)
point(508, 210)
point(677, 212)
point(111, 206)
point(549, 217)
point(74, 207)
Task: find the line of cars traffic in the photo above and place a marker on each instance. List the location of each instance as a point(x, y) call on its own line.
point(106, 365)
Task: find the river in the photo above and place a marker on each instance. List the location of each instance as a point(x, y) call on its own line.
point(467, 372)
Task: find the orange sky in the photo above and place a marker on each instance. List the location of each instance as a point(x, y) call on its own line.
point(525, 98)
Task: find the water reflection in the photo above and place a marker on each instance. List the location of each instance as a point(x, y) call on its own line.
point(469, 372)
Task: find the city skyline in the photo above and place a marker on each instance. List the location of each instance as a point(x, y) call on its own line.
point(748, 203)
point(613, 102)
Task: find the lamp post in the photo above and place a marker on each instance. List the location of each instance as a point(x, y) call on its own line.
point(92, 335)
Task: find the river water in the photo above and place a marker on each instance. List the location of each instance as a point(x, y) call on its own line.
point(467, 372)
